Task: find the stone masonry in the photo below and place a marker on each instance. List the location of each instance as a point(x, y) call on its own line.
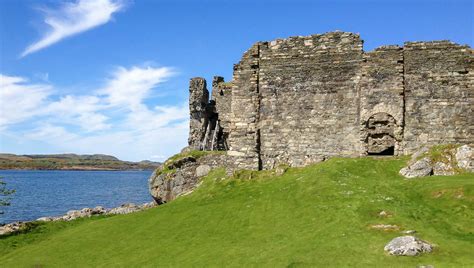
point(302, 99)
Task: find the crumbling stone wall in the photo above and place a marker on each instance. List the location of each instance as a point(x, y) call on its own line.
point(302, 99)
point(309, 98)
point(198, 100)
point(382, 100)
point(209, 119)
point(244, 138)
point(439, 94)
point(222, 96)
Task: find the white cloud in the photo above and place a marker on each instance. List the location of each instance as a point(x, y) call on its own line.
point(50, 133)
point(80, 110)
point(128, 87)
point(145, 119)
point(114, 119)
point(73, 18)
point(20, 100)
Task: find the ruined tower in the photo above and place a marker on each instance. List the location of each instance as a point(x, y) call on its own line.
point(302, 99)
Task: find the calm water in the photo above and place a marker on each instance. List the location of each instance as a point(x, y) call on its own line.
point(50, 193)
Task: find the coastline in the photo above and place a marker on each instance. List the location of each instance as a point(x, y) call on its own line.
point(76, 169)
point(17, 226)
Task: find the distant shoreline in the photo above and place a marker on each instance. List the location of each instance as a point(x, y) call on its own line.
point(97, 162)
point(74, 169)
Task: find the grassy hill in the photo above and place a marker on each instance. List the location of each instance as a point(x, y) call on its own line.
point(318, 216)
point(71, 162)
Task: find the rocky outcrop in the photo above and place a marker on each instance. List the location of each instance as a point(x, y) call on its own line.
point(407, 246)
point(183, 174)
point(76, 214)
point(420, 168)
point(441, 160)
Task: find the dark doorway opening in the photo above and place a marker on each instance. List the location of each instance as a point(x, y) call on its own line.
point(380, 139)
point(388, 151)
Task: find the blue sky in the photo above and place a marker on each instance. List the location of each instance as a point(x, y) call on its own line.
point(111, 76)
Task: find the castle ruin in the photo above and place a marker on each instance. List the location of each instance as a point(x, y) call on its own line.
point(301, 100)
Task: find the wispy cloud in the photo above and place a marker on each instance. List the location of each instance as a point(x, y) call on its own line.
point(72, 18)
point(20, 100)
point(129, 87)
point(114, 118)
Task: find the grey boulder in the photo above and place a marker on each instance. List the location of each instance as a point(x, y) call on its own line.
point(420, 168)
point(407, 246)
point(202, 170)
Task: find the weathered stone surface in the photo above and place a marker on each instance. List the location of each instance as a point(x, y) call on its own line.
point(198, 99)
point(302, 99)
point(125, 209)
point(407, 246)
point(202, 170)
point(447, 162)
point(420, 168)
point(442, 169)
point(438, 94)
point(180, 162)
point(465, 157)
point(209, 119)
point(76, 214)
point(46, 219)
point(166, 186)
point(11, 227)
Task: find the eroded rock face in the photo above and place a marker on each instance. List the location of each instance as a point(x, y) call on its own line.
point(166, 185)
point(407, 246)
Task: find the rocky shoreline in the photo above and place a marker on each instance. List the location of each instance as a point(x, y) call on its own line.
point(76, 214)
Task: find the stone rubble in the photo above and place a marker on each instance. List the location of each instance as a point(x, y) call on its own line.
point(451, 160)
point(76, 214)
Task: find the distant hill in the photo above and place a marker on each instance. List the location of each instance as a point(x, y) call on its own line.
point(72, 162)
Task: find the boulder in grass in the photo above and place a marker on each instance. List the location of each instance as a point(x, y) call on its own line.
point(407, 246)
point(420, 168)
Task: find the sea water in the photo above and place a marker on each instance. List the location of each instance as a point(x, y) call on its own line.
point(40, 193)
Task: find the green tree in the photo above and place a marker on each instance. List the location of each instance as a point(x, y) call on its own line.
point(4, 195)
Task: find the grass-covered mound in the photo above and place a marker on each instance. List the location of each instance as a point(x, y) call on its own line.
point(314, 216)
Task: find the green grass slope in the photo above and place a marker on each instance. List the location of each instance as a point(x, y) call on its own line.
point(318, 216)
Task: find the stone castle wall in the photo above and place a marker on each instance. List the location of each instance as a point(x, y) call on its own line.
point(308, 104)
point(302, 99)
point(439, 94)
